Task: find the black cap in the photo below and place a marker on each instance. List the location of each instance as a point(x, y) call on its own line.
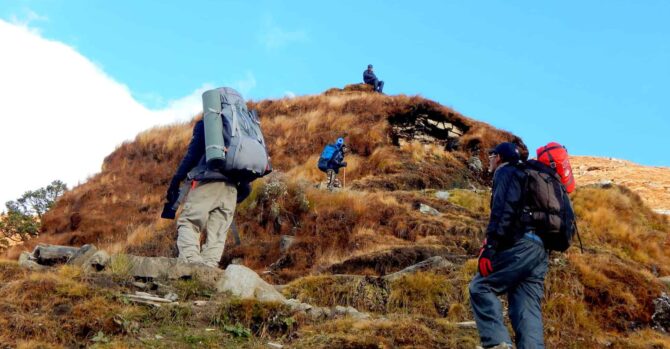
point(508, 152)
point(369, 66)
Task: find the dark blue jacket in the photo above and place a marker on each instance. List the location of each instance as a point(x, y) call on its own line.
point(195, 156)
point(337, 160)
point(195, 152)
point(505, 226)
point(369, 76)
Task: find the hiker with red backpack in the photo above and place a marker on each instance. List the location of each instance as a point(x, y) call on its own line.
point(331, 160)
point(530, 214)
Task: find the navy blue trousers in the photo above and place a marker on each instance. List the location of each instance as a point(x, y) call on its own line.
point(377, 84)
point(518, 272)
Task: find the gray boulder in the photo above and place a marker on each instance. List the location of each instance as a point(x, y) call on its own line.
point(243, 282)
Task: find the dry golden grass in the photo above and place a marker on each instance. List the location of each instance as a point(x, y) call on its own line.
point(372, 227)
point(651, 183)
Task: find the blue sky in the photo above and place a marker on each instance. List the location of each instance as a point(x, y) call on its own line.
point(592, 75)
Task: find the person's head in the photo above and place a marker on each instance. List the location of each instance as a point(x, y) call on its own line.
point(369, 66)
point(502, 153)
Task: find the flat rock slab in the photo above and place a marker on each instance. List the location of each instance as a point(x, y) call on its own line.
point(169, 268)
point(435, 263)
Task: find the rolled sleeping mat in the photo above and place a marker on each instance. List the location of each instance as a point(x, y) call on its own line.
point(215, 152)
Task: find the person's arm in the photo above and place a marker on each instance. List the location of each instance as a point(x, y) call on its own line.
point(368, 76)
point(504, 204)
point(196, 149)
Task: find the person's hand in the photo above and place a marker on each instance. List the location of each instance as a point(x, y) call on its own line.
point(173, 191)
point(243, 191)
point(168, 211)
point(344, 164)
point(486, 254)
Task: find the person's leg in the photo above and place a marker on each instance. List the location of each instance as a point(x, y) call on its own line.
point(507, 273)
point(525, 308)
point(218, 223)
point(192, 221)
point(488, 311)
point(381, 87)
point(331, 178)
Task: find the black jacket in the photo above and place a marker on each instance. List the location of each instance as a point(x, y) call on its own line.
point(369, 77)
point(505, 226)
point(337, 161)
point(195, 156)
point(195, 152)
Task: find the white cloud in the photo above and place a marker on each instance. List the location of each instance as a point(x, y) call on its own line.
point(289, 94)
point(272, 36)
point(61, 114)
point(244, 85)
point(27, 19)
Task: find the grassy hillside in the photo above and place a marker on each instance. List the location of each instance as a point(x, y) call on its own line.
point(402, 154)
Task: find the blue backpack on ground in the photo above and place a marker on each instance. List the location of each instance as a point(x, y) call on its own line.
point(327, 154)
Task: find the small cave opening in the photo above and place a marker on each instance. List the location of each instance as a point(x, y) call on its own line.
point(426, 125)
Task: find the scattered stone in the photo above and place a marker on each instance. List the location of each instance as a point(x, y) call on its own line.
point(467, 324)
point(297, 306)
point(661, 317)
point(98, 261)
point(425, 209)
point(210, 329)
point(340, 310)
point(171, 296)
point(317, 313)
point(239, 261)
point(82, 255)
point(149, 299)
point(274, 345)
point(663, 212)
point(140, 285)
point(475, 164)
point(665, 280)
point(442, 195)
point(432, 263)
point(243, 282)
point(286, 242)
point(606, 183)
point(158, 336)
point(26, 260)
point(200, 303)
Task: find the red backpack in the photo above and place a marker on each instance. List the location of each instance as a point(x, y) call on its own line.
point(555, 156)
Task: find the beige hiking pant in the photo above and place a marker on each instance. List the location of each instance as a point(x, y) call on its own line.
point(209, 207)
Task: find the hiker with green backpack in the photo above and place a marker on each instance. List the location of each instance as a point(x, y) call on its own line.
point(226, 153)
point(531, 214)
